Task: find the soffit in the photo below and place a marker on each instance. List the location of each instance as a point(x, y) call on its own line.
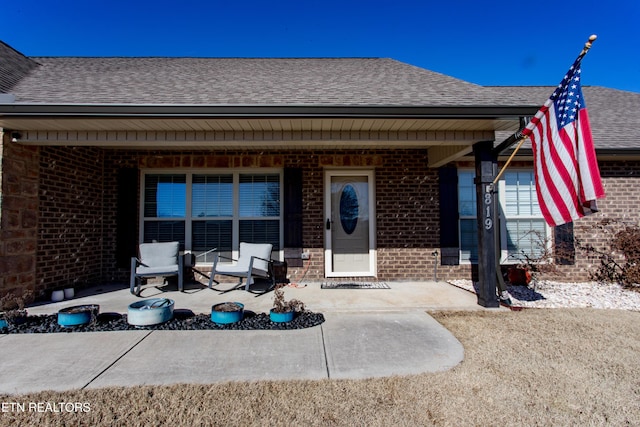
point(447, 132)
point(87, 124)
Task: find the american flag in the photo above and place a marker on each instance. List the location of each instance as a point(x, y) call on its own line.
point(564, 159)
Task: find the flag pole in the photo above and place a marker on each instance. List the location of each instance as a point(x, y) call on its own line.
point(584, 51)
point(506, 164)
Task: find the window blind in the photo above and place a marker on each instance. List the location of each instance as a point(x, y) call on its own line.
point(212, 196)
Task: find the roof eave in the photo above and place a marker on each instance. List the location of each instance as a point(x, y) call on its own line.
point(603, 153)
point(262, 111)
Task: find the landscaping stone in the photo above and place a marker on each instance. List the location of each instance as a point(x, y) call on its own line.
point(183, 320)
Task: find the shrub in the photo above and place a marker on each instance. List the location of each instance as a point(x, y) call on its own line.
point(619, 260)
point(12, 306)
point(546, 257)
point(280, 305)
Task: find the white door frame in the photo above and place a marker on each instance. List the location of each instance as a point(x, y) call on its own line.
point(328, 253)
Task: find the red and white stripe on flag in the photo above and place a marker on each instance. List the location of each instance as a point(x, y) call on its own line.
point(566, 169)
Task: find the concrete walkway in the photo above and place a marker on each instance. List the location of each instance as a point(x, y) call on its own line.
point(367, 333)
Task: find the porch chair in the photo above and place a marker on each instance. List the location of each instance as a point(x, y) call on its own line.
point(253, 262)
point(157, 260)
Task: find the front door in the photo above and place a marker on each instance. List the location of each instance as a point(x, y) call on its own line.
point(349, 224)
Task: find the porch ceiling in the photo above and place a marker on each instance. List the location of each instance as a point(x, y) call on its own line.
point(448, 133)
point(136, 124)
point(81, 124)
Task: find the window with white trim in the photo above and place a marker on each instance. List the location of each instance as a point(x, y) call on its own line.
point(467, 212)
point(522, 227)
point(205, 210)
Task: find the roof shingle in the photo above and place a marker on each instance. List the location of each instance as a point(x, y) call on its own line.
point(247, 81)
point(614, 114)
point(13, 67)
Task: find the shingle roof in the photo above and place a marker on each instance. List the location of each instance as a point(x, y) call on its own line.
point(614, 114)
point(247, 81)
point(13, 67)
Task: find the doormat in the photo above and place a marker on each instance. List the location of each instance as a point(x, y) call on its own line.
point(354, 285)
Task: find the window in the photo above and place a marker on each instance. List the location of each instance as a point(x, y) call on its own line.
point(259, 208)
point(522, 227)
point(164, 208)
point(467, 210)
point(212, 214)
point(525, 227)
point(212, 210)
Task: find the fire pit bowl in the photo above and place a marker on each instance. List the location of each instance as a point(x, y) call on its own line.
point(150, 311)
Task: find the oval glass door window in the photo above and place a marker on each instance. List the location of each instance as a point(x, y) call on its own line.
point(349, 209)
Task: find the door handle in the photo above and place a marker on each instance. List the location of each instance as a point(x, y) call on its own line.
point(328, 224)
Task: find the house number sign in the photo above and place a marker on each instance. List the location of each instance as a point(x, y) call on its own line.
point(488, 201)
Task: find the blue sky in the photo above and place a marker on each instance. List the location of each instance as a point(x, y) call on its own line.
point(485, 42)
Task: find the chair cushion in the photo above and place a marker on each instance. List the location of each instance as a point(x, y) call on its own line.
point(260, 250)
point(159, 254)
point(236, 271)
point(157, 270)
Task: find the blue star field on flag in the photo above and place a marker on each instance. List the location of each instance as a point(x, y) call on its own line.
point(568, 98)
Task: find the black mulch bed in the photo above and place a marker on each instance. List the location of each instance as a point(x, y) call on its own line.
point(183, 320)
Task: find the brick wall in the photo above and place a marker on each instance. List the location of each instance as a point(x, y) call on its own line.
point(406, 210)
point(19, 221)
point(621, 180)
point(74, 192)
point(407, 215)
point(70, 217)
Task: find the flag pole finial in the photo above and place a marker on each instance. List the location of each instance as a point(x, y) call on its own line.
point(588, 44)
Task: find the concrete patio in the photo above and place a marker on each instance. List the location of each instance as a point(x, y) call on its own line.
point(367, 333)
point(428, 295)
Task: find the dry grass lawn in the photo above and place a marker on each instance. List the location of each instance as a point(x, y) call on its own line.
point(533, 367)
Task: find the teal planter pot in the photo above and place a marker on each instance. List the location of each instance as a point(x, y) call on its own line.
point(17, 320)
point(287, 316)
point(150, 311)
point(227, 312)
point(78, 315)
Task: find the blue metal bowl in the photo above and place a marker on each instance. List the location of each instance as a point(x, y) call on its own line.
point(226, 317)
point(77, 315)
point(281, 317)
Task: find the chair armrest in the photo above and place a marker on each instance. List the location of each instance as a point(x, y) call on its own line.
point(217, 255)
point(136, 261)
point(207, 252)
point(268, 261)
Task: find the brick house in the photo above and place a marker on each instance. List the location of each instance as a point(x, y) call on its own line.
point(365, 165)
